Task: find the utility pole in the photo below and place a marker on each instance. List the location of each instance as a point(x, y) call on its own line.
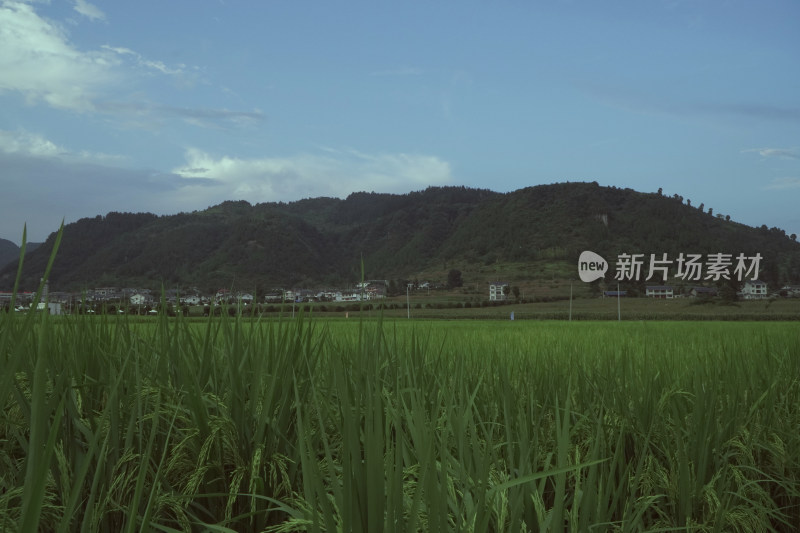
point(570, 300)
point(408, 301)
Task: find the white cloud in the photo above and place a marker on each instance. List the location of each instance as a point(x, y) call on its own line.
point(783, 183)
point(43, 182)
point(144, 62)
point(30, 144)
point(337, 173)
point(37, 60)
point(785, 153)
point(88, 10)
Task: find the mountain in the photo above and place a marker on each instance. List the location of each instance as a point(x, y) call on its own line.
point(9, 251)
point(325, 241)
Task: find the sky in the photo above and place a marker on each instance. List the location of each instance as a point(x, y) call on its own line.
point(169, 107)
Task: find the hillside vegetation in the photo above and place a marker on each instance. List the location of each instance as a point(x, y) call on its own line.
point(9, 251)
point(323, 241)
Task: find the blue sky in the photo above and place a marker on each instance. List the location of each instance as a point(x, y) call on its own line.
point(176, 106)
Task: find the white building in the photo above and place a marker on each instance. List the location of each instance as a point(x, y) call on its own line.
point(754, 290)
point(348, 297)
point(659, 291)
point(106, 293)
point(274, 296)
point(222, 296)
point(496, 290)
point(191, 300)
point(52, 308)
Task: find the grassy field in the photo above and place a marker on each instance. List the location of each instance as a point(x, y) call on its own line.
point(785, 309)
point(453, 306)
point(368, 424)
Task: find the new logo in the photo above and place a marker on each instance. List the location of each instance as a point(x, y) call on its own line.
point(591, 266)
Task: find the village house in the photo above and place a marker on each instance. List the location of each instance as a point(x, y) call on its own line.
point(754, 290)
point(703, 292)
point(51, 308)
point(790, 291)
point(106, 293)
point(496, 292)
point(615, 294)
point(659, 291)
point(327, 295)
point(193, 299)
point(273, 297)
point(222, 296)
point(303, 295)
point(350, 296)
point(375, 291)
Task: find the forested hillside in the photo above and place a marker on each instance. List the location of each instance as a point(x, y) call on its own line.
point(323, 241)
point(9, 251)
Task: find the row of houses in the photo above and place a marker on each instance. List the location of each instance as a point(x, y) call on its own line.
point(752, 290)
point(366, 291)
point(370, 290)
point(225, 296)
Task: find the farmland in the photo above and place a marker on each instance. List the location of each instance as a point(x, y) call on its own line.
point(380, 423)
point(447, 306)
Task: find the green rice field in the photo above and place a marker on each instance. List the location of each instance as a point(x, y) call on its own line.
point(387, 424)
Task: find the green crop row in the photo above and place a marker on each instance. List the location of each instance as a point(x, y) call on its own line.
point(293, 425)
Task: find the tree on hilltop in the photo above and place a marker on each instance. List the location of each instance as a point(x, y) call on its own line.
point(454, 279)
